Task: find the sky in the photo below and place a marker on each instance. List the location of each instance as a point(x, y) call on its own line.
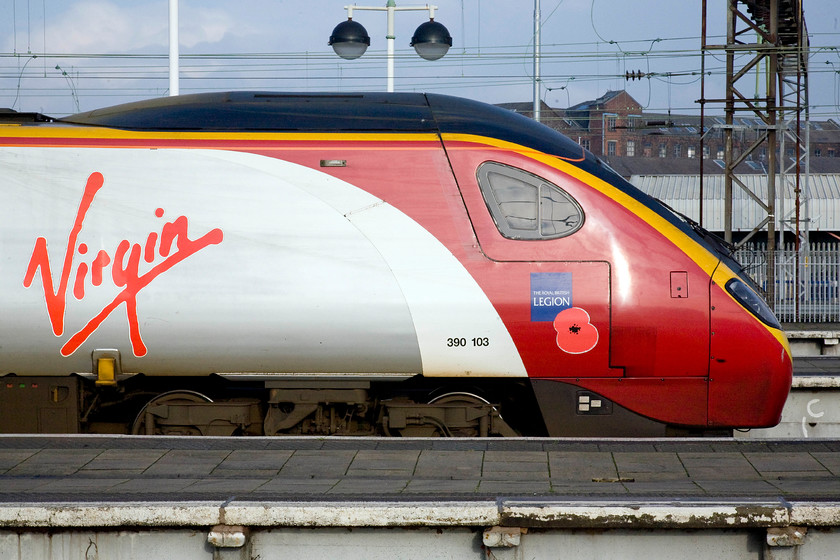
point(63, 56)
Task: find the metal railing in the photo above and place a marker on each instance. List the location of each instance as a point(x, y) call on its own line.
point(807, 281)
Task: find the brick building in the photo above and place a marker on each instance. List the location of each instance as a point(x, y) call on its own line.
point(615, 125)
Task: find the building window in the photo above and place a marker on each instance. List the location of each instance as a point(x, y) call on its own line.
point(720, 153)
point(611, 145)
point(830, 152)
point(525, 206)
point(663, 150)
point(584, 143)
point(678, 150)
point(691, 152)
point(610, 123)
point(648, 150)
point(817, 152)
point(706, 152)
point(631, 148)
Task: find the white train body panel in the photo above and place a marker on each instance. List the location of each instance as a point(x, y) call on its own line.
point(283, 269)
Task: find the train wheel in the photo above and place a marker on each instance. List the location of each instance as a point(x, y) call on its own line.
point(145, 423)
point(445, 415)
point(455, 399)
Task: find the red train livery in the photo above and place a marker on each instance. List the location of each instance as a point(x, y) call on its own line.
point(388, 264)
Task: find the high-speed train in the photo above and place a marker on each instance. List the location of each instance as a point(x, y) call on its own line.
point(359, 264)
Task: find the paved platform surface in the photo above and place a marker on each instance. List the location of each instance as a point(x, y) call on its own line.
point(144, 497)
point(816, 365)
point(43, 469)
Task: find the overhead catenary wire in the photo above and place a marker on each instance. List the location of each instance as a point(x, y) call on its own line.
point(464, 68)
point(471, 69)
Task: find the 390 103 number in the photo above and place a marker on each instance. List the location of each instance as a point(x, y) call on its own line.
point(462, 342)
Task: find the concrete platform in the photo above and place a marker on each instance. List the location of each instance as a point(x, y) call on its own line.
point(237, 498)
point(39, 471)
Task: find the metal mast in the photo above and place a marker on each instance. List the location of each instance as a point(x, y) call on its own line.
point(770, 32)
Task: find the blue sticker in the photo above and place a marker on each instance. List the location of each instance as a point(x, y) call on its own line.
point(551, 293)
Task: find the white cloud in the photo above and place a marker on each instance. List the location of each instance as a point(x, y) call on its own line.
point(103, 26)
point(96, 26)
point(203, 26)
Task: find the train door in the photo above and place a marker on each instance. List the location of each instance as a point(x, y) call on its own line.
point(552, 293)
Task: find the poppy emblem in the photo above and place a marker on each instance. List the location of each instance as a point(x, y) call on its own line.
point(575, 333)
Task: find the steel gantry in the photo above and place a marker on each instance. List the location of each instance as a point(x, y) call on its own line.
point(771, 32)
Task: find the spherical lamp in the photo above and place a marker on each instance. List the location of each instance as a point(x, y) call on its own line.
point(349, 39)
point(431, 40)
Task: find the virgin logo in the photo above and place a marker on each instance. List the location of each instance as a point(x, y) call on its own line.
point(157, 252)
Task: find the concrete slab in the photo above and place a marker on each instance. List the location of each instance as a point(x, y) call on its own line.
point(684, 488)
point(369, 486)
point(442, 487)
point(154, 485)
point(780, 462)
point(515, 487)
point(388, 463)
point(809, 489)
point(78, 485)
point(448, 465)
point(194, 462)
point(724, 472)
point(54, 462)
point(11, 458)
point(514, 457)
point(587, 490)
point(297, 486)
point(492, 469)
point(648, 462)
point(117, 459)
point(14, 485)
point(329, 463)
point(831, 461)
point(250, 460)
point(737, 489)
point(581, 465)
point(230, 486)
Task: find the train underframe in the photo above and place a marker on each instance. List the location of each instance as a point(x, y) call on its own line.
point(215, 406)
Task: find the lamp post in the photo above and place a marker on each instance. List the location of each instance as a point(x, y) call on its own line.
point(174, 70)
point(350, 39)
point(537, 45)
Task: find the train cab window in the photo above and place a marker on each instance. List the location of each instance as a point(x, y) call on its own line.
point(525, 206)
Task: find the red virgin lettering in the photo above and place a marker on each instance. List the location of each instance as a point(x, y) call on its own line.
point(57, 299)
point(125, 269)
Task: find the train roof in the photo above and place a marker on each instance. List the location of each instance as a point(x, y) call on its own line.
point(250, 111)
point(247, 111)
